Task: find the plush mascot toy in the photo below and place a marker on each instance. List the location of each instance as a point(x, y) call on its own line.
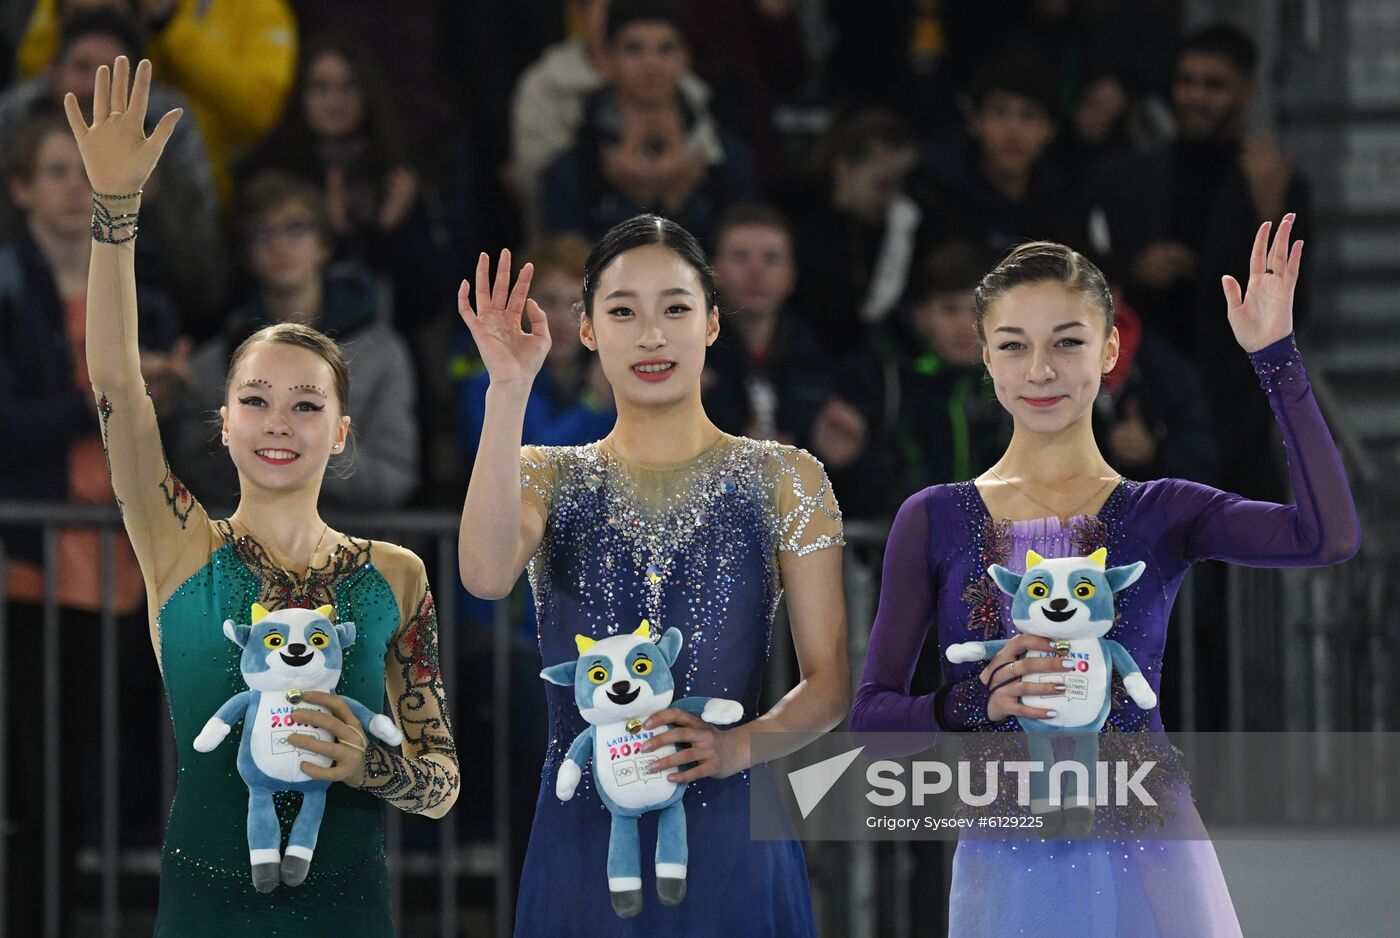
point(285, 653)
point(618, 682)
point(1068, 600)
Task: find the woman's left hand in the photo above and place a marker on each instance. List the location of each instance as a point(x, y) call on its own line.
point(348, 750)
point(715, 752)
point(1263, 314)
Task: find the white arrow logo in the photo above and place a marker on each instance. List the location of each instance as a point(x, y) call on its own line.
point(811, 784)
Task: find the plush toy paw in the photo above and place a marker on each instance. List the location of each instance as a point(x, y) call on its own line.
point(1079, 820)
point(569, 774)
point(266, 876)
point(1137, 687)
point(670, 890)
point(722, 712)
point(295, 865)
point(627, 903)
point(213, 733)
point(962, 652)
point(385, 729)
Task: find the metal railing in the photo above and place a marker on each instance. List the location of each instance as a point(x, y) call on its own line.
point(845, 876)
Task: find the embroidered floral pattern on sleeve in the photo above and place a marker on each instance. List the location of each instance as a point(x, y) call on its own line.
point(104, 412)
point(416, 783)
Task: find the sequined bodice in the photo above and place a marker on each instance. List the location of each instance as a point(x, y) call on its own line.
point(693, 546)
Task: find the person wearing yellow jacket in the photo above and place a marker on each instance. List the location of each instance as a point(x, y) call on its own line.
point(233, 59)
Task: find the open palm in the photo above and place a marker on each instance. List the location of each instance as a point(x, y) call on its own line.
point(511, 354)
point(1263, 313)
point(117, 154)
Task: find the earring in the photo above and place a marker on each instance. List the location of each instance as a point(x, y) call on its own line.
point(225, 439)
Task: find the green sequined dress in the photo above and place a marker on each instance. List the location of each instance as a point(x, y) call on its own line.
point(200, 572)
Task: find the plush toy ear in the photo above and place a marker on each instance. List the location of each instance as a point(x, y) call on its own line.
point(1008, 581)
point(258, 614)
point(1099, 558)
point(561, 674)
point(1033, 559)
point(346, 631)
point(238, 634)
point(584, 643)
point(1122, 577)
point(643, 630)
point(670, 645)
point(327, 610)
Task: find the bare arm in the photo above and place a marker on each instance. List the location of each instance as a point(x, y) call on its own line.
point(497, 534)
point(119, 158)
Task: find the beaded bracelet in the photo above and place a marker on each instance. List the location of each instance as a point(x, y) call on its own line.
point(117, 198)
point(105, 225)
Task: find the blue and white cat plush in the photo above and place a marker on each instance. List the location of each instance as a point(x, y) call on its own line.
point(1068, 600)
point(285, 653)
point(618, 682)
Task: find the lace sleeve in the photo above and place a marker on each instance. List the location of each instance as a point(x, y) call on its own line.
point(422, 776)
point(808, 516)
point(536, 478)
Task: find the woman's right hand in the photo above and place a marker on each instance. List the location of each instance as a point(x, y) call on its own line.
point(512, 356)
point(117, 154)
point(1005, 701)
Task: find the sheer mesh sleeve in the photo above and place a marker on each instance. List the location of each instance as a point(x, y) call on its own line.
point(422, 776)
point(808, 516)
point(907, 604)
point(537, 475)
point(1319, 528)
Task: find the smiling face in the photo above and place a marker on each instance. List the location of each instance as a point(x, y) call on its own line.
point(622, 677)
point(293, 648)
point(1047, 354)
point(282, 418)
point(1065, 597)
point(650, 325)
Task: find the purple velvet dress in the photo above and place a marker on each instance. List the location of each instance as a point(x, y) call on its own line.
point(940, 546)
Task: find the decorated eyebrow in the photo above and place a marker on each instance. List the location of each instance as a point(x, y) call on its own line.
point(257, 383)
point(314, 389)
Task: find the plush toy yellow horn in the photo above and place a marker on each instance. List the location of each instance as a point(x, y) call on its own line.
point(584, 643)
point(258, 614)
point(1099, 558)
point(326, 610)
point(1033, 559)
point(644, 630)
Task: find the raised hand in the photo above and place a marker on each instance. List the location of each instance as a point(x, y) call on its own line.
point(511, 355)
point(1263, 313)
point(117, 154)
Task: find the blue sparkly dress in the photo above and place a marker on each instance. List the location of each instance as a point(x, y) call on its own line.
point(694, 546)
point(940, 546)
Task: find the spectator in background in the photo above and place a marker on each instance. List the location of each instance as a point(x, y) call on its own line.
point(752, 53)
point(918, 387)
point(233, 60)
point(1153, 417)
point(789, 376)
point(571, 401)
point(643, 145)
point(1172, 221)
point(547, 108)
point(340, 134)
point(55, 454)
point(858, 233)
point(181, 243)
point(287, 243)
point(992, 175)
